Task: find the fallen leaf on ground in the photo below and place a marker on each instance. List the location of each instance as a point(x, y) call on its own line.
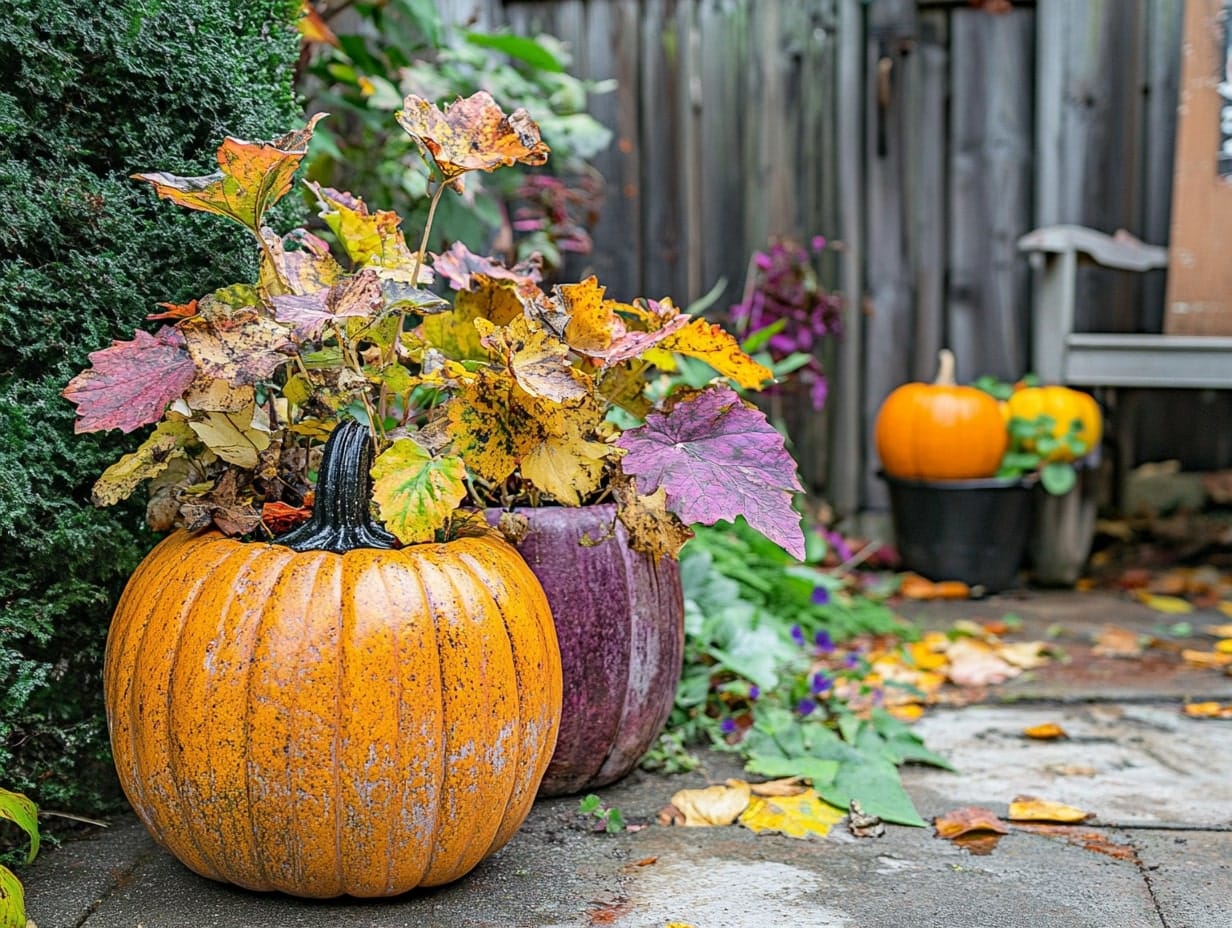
point(670, 815)
point(913, 586)
point(1026, 655)
point(1221, 631)
point(1090, 840)
point(713, 805)
point(908, 712)
point(1211, 659)
point(800, 816)
point(969, 819)
point(1208, 710)
point(1035, 809)
point(645, 861)
point(861, 824)
point(1226, 607)
point(974, 663)
point(1169, 605)
point(1224, 646)
point(1048, 731)
point(787, 786)
point(1117, 642)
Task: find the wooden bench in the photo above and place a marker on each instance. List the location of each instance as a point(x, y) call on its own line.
point(1111, 360)
point(1098, 359)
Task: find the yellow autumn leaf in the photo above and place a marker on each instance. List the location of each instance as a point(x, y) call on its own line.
point(537, 360)
point(801, 816)
point(906, 712)
point(1219, 631)
point(151, 458)
point(568, 467)
point(709, 342)
point(1026, 655)
point(593, 322)
point(1208, 710)
point(1224, 646)
point(415, 493)
point(925, 657)
point(1035, 809)
point(369, 239)
point(1048, 731)
point(1212, 659)
point(1225, 606)
point(454, 333)
point(251, 177)
point(1169, 605)
point(713, 805)
point(472, 134)
point(236, 437)
point(493, 425)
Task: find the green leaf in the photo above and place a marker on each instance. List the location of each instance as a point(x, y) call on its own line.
point(820, 772)
point(1058, 477)
point(414, 492)
point(615, 821)
point(519, 47)
point(876, 784)
point(12, 901)
point(589, 803)
point(24, 814)
point(757, 340)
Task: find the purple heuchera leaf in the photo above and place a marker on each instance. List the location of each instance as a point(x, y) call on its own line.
point(718, 459)
point(131, 384)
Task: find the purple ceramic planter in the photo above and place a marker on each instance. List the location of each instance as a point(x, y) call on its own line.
point(620, 622)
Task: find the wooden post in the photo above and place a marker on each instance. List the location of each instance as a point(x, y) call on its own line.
point(1199, 300)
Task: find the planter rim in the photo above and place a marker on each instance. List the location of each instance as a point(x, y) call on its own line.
point(980, 483)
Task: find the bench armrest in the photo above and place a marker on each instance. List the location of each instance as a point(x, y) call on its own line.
point(1121, 251)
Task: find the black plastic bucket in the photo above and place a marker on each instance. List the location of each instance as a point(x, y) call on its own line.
point(975, 531)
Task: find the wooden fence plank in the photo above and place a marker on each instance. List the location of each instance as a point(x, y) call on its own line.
point(990, 183)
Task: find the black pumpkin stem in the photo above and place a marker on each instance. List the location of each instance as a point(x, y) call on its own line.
point(341, 520)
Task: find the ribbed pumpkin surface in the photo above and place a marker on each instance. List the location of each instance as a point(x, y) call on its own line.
point(326, 724)
point(619, 618)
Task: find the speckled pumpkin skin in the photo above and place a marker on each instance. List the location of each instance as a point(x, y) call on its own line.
point(620, 622)
point(326, 724)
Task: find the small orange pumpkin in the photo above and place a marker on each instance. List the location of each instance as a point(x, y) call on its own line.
point(1065, 406)
point(324, 715)
point(941, 430)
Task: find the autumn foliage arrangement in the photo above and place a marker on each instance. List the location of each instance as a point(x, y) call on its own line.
point(479, 387)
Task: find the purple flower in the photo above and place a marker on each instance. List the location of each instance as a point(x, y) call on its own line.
point(797, 635)
point(821, 596)
point(727, 726)
point(818, 242)
point(822, 639)
point(820, 683)
point(839, 544)
point(851, 660)
point(754, 691)
point(806, 706)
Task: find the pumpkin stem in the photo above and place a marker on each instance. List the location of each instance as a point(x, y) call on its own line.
point(340, 519)
point(945, 368)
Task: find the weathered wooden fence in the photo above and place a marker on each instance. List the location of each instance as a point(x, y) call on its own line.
point(926, 135)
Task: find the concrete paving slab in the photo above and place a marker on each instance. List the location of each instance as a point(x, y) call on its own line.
point(1190, 876)
point(1072, 622)
point(1138, 761)
point(1125, 763)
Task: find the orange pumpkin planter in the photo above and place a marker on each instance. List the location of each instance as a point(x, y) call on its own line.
point(322, 722)
point(940, 431)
